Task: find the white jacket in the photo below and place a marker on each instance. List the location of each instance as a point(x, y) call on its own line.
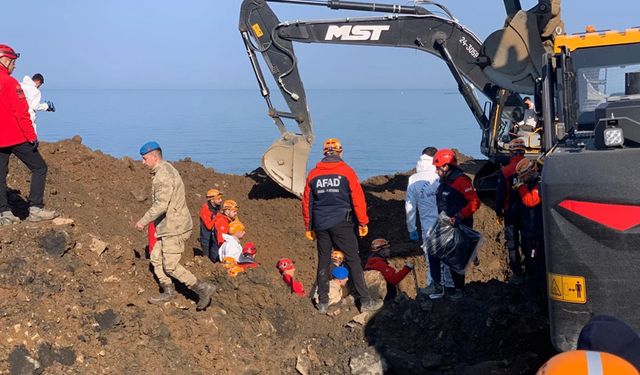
point(33, 98)
point(230, 248)
point(421, 195)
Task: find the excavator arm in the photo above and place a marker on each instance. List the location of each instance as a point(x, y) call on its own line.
point(406, 27)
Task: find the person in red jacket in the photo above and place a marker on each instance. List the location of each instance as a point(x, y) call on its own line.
point(288, 271)
point(380, 252)
point(509, 207)
point(18, 137)
point(332, 195)
point(208, 211)
point(457, 198)
point(228, 213)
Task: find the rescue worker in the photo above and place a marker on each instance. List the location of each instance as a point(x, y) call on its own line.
point(610, 334)
point(378, 261)
point(508, 209)
point(530, 119)
point(457, 198)
point(421, 197)
point(208, 212)
point(337, 258)
point(173, 224)
point(585, 362)
point(527, 185)
point(31, 87)
point(231, 246)
point(248, 257)
point(288, 271)
point(337, 286)
point(18, 137)
point(333, 204)
point(227, 214)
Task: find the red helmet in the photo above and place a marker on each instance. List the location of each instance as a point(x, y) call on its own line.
point(285, 264)
point(249, 248)
point(443, 157)
point(6, 51)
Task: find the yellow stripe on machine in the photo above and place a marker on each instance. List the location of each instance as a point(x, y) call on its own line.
point(567, 288)
point(257, 30)
point(596, 39)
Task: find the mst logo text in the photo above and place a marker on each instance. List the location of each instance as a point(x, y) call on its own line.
point(357, 32)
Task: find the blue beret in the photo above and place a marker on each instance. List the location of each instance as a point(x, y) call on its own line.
point(148, 147)
point(340, 273)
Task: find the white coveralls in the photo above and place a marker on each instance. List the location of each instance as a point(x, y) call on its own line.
point(33, 98)
point(421, 197)
point(230, 248)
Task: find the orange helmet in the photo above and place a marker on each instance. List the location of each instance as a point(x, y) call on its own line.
point(525, 168)
point(337, 256)
point(213, 193)
point(379, 244)
point(443, 157)
point(583, 362)
point(236, 226)
point(517, 145)
point(331, 145)
point(285, 264)
point(229, 205)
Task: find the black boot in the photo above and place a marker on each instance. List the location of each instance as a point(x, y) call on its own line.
point(205, 290)
point(168, 293)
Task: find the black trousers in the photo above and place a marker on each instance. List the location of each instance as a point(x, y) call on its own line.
point(34, 161)
point(342, 236)
point(208, 243)
point(436, 274)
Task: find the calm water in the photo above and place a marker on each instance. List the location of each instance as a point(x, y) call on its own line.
point(382, 132)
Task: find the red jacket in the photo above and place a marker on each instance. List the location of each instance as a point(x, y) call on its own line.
point(15, 122)
point(207, 215)
point(380, 264)
point(332, 189)
point(221, 225)
point(530, 198)
point(295, 285)
point(504, 193)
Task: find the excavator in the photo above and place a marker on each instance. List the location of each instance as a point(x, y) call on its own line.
point(591, 257)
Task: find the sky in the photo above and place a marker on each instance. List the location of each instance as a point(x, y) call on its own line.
point(195, 44)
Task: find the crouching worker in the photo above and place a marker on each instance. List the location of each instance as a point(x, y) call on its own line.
point(231, 246)
point(208, 212)
point(380, 252)
point(337, 286)
point(248, 257)
point(288, 271)
point(172, 220)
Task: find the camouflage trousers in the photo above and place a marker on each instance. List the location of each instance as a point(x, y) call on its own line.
point(165, 259)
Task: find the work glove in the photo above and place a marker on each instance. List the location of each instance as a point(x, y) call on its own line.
point(413, 236)
point(500, 220)
point(363, 230)
point(34, 144)
point(311, 235)
point(517, 183)
point(51, 107)
point(410, 266)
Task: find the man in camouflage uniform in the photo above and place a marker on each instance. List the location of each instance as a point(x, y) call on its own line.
point(170, 214)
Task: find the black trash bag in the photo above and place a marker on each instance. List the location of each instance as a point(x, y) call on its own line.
point(453, 245)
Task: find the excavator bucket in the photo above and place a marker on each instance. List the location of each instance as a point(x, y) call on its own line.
point(286, 162)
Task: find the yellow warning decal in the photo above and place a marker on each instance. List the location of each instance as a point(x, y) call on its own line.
point(257, 30)
point(566, 288)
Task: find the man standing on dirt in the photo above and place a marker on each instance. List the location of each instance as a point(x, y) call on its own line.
point(331, 196)
point(421, 197)
point(18, 137)
point(170, 214)
point(458, 199)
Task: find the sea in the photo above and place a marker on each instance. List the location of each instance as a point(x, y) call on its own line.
point(382, 131)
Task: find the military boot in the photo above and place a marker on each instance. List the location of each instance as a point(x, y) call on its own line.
point(205, 290)
point(168, 293)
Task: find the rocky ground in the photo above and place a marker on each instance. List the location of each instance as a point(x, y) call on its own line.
point(73, 293)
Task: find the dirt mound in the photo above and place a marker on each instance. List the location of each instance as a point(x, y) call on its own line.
point(73, 294)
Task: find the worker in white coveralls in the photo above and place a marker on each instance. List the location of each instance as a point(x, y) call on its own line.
point(421, 199)
point(31, 88)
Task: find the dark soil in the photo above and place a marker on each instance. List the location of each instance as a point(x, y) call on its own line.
point(67, 309)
